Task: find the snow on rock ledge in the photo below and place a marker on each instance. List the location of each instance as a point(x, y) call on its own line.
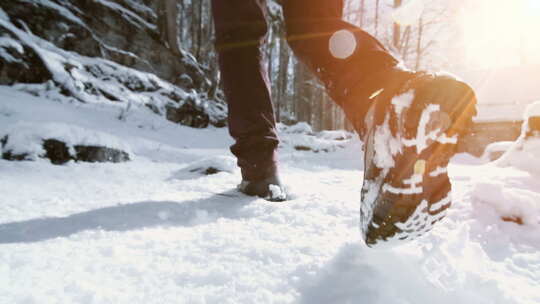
point(61, 143)
point(54, 50)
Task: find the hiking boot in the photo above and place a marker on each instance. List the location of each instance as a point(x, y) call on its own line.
point(410, 133)
point(270, 188)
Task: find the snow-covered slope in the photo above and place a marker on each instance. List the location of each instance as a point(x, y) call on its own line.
point(106, 52)
point(158, 230)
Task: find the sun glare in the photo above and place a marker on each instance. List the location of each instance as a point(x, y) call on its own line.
point(533, 4)
point(501, 33)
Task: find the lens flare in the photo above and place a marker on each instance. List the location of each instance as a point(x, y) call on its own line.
point(342, 44)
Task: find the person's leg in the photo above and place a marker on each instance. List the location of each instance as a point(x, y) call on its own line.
point(416, 119)
point(349, 61)
point(240, 29)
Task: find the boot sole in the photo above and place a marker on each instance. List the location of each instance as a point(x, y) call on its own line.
point(405, 201)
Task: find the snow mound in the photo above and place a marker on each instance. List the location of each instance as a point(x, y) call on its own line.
point(334, 135)
point(209, 166)
point(495, 150)
point(506, 184)
point(521, 206)
point(298, 128)
point(524, 153)
point(533, 109)
point(27, 139)
point(300, 137)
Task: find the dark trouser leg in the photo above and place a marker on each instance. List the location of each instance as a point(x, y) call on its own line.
point(350, 81)
point(240, 28)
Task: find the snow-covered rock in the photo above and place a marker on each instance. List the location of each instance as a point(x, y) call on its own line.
point(297, 128)
point(208, 166)
point(60, 143)
point(301, 137)
point(125, 32)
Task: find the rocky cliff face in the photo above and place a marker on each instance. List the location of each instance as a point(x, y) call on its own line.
point(103, 51)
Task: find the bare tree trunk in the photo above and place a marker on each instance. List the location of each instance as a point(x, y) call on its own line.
point(268, 50)
point(194, 29)
point(299, 91)
point(282, 77)
point(405, 43)
point(167, 24)
point(328, 110)
point(362, 12)
point(200, 26)
point(419, 43)
point(377, 18)
point(397, 29)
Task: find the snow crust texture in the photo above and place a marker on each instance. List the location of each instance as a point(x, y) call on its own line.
point(153, 231)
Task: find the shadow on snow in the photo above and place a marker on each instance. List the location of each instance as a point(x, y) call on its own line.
point(127, 217)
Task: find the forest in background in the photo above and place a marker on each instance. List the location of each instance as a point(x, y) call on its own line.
point(66, 49)
point(408, 29)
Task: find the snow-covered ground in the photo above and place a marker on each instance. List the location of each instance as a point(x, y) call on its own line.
point(157, 230)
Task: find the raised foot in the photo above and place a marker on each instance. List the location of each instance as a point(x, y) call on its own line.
point(413, 134)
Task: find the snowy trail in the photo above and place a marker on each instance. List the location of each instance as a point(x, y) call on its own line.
point(151, 231)
point(196, 241)
point(203, 244)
